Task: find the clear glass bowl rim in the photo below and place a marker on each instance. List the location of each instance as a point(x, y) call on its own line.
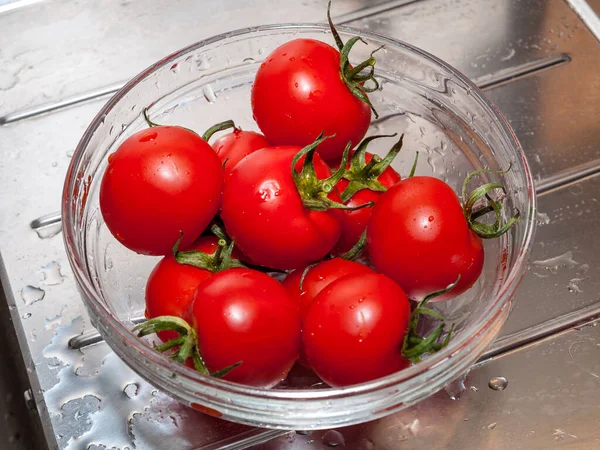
point(478, 329)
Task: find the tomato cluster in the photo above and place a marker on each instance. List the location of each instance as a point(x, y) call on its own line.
point(306, 203)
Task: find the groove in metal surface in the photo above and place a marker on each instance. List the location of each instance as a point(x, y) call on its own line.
point(587, 15)
point(512, 73)
point(372, 10)
point(69, 101)
point(246, 439)
point(563, 178)
point(93, 337)
point(534, 334)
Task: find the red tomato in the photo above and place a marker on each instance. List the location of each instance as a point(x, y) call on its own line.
point(171, 285)
point(419, 237)
point(235, 146)
point(245, 315)
point(160, 182)
point(317, 278)
point(355, 222)
point(354, 330)
point(265, 215)
point(298, 93)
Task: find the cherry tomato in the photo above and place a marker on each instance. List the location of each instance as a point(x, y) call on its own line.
point(419, 237)
point(298, 93)
point(235, 146)
point(160, 182)
point(171, 285)
point(354, 329)
point(245, 315)
point(354, 222)
point(264, 213)
point(317, 278)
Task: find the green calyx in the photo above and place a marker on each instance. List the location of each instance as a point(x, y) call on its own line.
point(414, 345)
point(314, 192)
point(216, 262)
point(486, 230)
point(355, 78)
point(363, 175)
point(182, 347)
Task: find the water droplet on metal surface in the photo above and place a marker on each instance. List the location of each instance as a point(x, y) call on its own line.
point(553, 264)
point(51, 274)
point(474, 389)
point(248, 60)
point(26, 315)
point(131, 390)
point(31, 294)
point(498, 383)
point(576, 189)
point(573, 286)
point(491, 426)
point(456, 389)
point(542, 218)
point(333, 438)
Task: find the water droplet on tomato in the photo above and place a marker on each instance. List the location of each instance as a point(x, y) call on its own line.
point(360, 300)
point(315, 95)
point(111, 157)
point(285, 54)
point(292, 59)
point(351, 306)
point(431, 218)
point(296, 84)
point(148, 137)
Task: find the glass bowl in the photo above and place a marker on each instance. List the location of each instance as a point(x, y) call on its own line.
point(444, 116)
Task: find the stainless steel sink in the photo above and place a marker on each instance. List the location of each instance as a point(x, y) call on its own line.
point(538, 60)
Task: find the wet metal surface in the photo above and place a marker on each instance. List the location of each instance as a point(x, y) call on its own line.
point(537, 60)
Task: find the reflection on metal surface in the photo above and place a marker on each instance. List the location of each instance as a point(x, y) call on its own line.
point(587, 14)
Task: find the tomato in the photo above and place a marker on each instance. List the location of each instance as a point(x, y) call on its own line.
point(171, 285)
point(419, 237)
point(317, 278)
point(245, 315)
point(235, 146)
point(298, 93)
point(160, 182)
point(354, 329)
point(265, 213)
point(354, 222)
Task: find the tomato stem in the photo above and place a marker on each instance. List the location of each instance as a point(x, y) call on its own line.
point(484, 230)
point(414, 166)
point(147, 119)
point(365, 176)
point(221, 126)
point(357, 249)
point(216, 262)
point(353, 78)
point(186, 343)
point(314, 192)
point(415, 346)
